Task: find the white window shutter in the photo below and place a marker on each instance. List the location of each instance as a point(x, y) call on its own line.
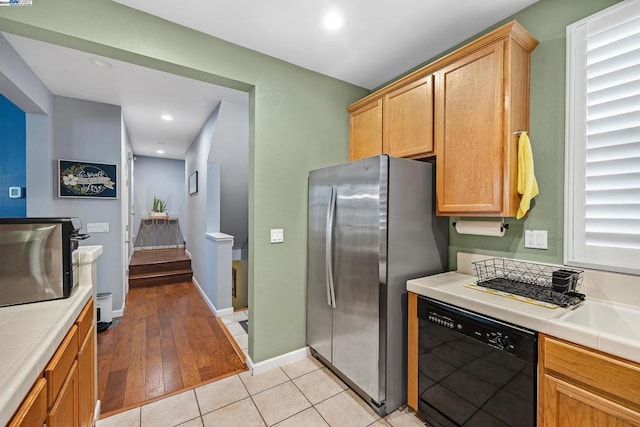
point(602, 210)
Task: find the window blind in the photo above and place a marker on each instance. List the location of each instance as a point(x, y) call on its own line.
point(605, 93)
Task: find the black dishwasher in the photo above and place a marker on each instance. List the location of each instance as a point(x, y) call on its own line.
point(474, 370)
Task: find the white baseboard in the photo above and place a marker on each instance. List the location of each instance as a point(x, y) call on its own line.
point(187, 253)
point(96, 412)
point(274, 362)
point(117, 313)
point(214, 310)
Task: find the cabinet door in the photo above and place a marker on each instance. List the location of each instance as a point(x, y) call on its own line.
point(408, 120)
point(33, 410)
point(469, 111)
point(365, 130)
point(57, 370)
point(86, 380)
point(64, 412)
point(566, 405)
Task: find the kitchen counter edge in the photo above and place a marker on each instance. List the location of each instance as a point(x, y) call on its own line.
point(20, 369)
point(450, 288)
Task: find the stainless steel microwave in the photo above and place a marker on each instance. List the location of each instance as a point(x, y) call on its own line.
point(36, 258)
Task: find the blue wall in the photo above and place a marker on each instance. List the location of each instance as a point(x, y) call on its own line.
point(13, 137)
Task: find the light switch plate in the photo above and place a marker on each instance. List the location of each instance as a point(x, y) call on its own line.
point(97, 227)
point(15, 192)
point(277, 235)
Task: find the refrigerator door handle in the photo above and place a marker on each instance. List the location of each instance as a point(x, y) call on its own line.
point(331, 293)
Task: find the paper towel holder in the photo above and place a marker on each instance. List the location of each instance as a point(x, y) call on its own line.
point(503, 224)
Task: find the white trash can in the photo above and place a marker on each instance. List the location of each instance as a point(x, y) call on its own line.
point(104, 307)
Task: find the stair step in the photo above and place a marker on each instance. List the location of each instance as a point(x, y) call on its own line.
point(148, 275)
point(159, 267)
point(163, 277)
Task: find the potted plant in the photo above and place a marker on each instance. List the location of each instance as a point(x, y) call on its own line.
point(159, 209)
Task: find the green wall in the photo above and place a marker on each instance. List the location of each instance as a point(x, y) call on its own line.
point(298, 123)
point(547, 21)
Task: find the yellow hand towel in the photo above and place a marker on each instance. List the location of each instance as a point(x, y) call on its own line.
point(527, 184)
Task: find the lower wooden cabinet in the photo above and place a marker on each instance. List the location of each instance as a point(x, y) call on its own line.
point(583, 387)
point(65, 395)
point(33, 411)
point(86, 373)
point(64, 412)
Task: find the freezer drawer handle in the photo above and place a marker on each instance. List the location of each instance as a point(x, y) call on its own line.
point(331, 292)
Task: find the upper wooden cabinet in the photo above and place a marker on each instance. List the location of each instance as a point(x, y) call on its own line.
point(471, 161)
point(398, 122)
point(365, 130)
point(466, 107)
point(482, 101)
point(408, 120)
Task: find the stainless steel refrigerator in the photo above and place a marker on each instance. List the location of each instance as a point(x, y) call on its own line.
point(371, 227)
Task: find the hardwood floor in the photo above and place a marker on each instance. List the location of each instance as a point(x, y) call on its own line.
point(167, 341)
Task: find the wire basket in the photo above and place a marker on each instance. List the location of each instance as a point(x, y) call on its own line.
point(553, 284)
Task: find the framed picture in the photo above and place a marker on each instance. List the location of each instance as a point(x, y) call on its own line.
point(87, 179)
point(193, 183)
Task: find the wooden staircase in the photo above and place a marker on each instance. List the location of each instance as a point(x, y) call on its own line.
point(159, 267)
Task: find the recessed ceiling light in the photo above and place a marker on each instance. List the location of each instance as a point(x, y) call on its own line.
point(98, 62)
point(166, 117)
point(333, 20)
point(160, 151)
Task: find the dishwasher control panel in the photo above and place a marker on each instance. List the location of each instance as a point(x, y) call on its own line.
point(441, 320)
point(493, 332)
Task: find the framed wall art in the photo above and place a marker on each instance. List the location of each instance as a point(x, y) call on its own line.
point(87, 179)
point(193, 183)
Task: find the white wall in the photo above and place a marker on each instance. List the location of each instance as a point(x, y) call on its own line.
point(40, 170)
point(200, 219)
point(162, 178)
point(20, 85)
point(126, 161)
point(230, 149)
point(85, 130)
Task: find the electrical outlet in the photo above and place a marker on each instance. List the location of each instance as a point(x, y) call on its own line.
point(536, 239)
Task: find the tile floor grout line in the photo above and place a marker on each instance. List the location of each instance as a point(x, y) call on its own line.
point(312, 405)
point(197, 402)
point(268, 388)
point(252, 401)
point(228, 404)
point(257, 409)
point(290, 378)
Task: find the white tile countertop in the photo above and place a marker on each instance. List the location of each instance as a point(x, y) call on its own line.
point(450, 288)
point(31, 333)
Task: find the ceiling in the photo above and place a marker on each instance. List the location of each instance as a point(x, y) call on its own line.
point(144, 94)
point(377, 42)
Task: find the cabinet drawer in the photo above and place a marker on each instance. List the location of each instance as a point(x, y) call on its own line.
point(33, 410)
point(58, 368)
point(85, 321)
point(616, 378)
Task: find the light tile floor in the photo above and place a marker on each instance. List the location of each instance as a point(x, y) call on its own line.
point(303, 393)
